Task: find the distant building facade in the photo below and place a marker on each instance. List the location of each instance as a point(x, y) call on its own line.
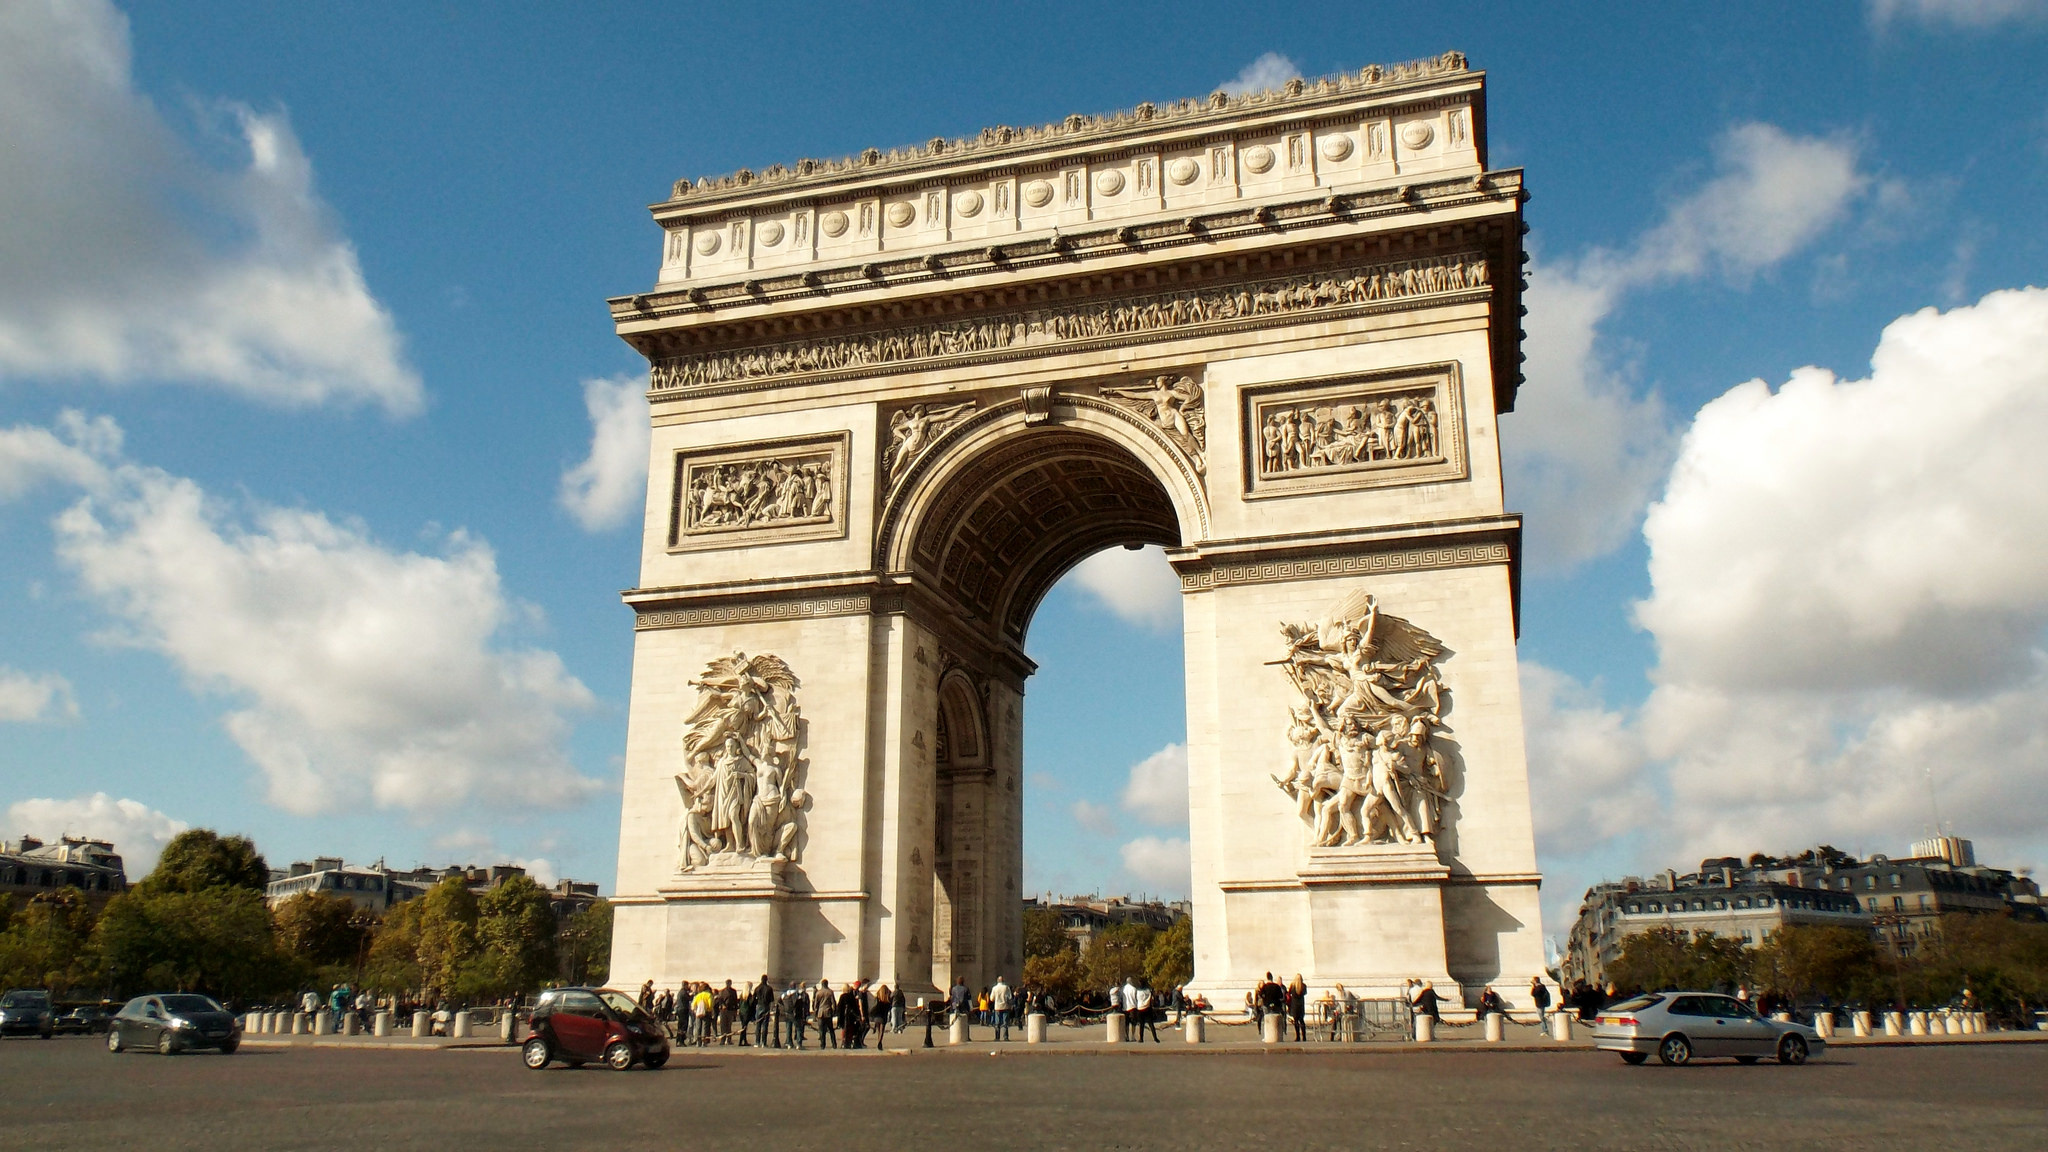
point(377, 889)
point(30, 868)
point(1085, 917)
point(1901, 901)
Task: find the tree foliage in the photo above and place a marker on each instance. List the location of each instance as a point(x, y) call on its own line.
point(1170, 962)
point(393, 965)
point(1057, 975)
point(46, 942)
point(1664, 959)
point(1117, 954)
point(1045, 934)
point(199, 859)
point(218, 941)
point(318, 929)
point(448, 937)
point(515, 938)
point(587, 944)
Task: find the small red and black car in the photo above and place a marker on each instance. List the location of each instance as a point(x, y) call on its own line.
point(579, 1025)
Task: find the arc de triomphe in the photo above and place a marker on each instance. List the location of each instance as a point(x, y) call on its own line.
point(895, 397)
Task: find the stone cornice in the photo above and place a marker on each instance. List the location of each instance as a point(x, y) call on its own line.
point(1016, 145)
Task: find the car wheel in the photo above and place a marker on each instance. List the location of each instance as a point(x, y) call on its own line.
point(167, 1044)
point(655, 1061)
point(1745, 1059)
point(1634, 1057)
point(536, 1054)
point(1792, 1050)
point(228, 1047)
point(114, 1044)
point(618, 1056)
point(1675, 1050)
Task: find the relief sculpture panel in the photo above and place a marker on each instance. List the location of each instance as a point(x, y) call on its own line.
point(785, 490)
point(742, 800)
point(1402, 428)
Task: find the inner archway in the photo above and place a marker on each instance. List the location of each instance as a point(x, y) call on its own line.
point(1003, 523)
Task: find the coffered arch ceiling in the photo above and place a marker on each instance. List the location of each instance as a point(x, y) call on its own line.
point(1026, 510)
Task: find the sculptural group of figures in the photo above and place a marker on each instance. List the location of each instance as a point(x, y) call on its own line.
point(755, 492)
point(1143, 314)
point(1362, 763)
point(1395, 428)
point(739, 783)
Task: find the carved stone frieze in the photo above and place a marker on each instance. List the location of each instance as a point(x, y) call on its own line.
point(1403, 427)
point(1189, 308)
point(772, 490)
point(1362, 763)
point(752, 612)
point(1173, 404)
point(741, 784)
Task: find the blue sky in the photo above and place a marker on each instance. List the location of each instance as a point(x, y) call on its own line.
point(300, 306)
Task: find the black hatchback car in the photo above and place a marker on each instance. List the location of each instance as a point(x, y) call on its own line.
point(580, 1025)
point(173, 1022)
point(27, 1010)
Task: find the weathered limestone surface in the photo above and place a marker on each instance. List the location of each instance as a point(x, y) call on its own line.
point(895, 398)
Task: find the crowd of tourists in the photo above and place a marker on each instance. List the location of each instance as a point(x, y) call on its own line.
point(764, 1016)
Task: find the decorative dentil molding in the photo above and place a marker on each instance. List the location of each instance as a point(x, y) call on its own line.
point(1226, 575)
point(1189, 308)
point(739, 787)
point(1362, 765)
point(756, 612)
point(995, 141)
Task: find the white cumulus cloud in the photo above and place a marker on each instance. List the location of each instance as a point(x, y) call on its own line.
point(1095, 818)
point(1585, 446)
point(356, 673)
point(137, 831)
point(1270, 70)
point(28, 697)
point(1849, 597)
point(1137, 585)
point(1160, 864)
point(1973, 14)
point(609, 486)
point(1157, 792)
point(130, 259)
point(76, 453)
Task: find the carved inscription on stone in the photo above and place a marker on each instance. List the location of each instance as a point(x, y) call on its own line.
point(1036, 327)
point(741, 788)
point(1398, 428)
point(1362, 764)
point(1173, 404)
point(769, 491)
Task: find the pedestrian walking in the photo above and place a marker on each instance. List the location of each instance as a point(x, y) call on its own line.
point(1297, 1006)
point(825, 1010)
point(763, 1007)
point(1426, 1001)
point(1540, 996)
point(999, 1003)
point(885, 1003)
point(1147, 1018)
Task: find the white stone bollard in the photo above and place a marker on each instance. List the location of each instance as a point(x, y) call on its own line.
point(460, 1031)
point(956, 1032)
point(1916, 1024)
point(1561, 1027)
point(1425, 1029)
point(1272, 1028)
point(1196, 1028)
point(1494, 1032)
point(1113, 1027)
point(275, 1022)
point(1860, 1023)
point(1034, 1028)
point(351, 1024)
point(1824, 1023)
point(508, 1025)
point(300, 1025)
point(323, 1024)
point(1950, 1026)
point(1895, 1023)
point(1782, 1017)
point(1983, 1021)
point(422, 1022)
point(380, 1024)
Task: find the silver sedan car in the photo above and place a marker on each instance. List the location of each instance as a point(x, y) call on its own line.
point(1679, 1026)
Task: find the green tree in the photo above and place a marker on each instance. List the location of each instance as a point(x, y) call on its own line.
point(1045, 934)
point(394, 957)
point(200, 859)
point(1058, 975)
point(1811, 961)
point(1170, 961)
point(1116, 954)
point(318, 929)
point(47, 944)
point(448, 940)
point(218, 941)
point(1666, 959)
point(515, 937)
point(587, 945)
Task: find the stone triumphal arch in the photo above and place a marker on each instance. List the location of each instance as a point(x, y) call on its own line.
point(894, 397)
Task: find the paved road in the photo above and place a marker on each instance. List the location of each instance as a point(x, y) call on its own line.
point(73, 1093)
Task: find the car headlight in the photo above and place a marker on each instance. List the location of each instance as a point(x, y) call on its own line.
point(180, 1022)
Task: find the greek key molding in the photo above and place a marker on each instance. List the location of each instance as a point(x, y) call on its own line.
point(1357, 564)
point(1194, 309)
point(754, 613)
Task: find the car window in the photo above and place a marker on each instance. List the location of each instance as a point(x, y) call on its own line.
point(1729, 1008)
point(1637, 1004)
point(1687, 1006)
point(191, 1004)
point(620, 1003)
point(25, 1000)
point(581, 1003)
point(132, 1010)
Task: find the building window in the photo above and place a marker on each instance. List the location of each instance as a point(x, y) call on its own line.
point(1895, 879)
point(1923, 903)
point(1748, 937)
point(1742, 901)
point(1899, 903)
point(1870, 881)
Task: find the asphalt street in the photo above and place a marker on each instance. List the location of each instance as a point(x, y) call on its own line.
point(71, 1092)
